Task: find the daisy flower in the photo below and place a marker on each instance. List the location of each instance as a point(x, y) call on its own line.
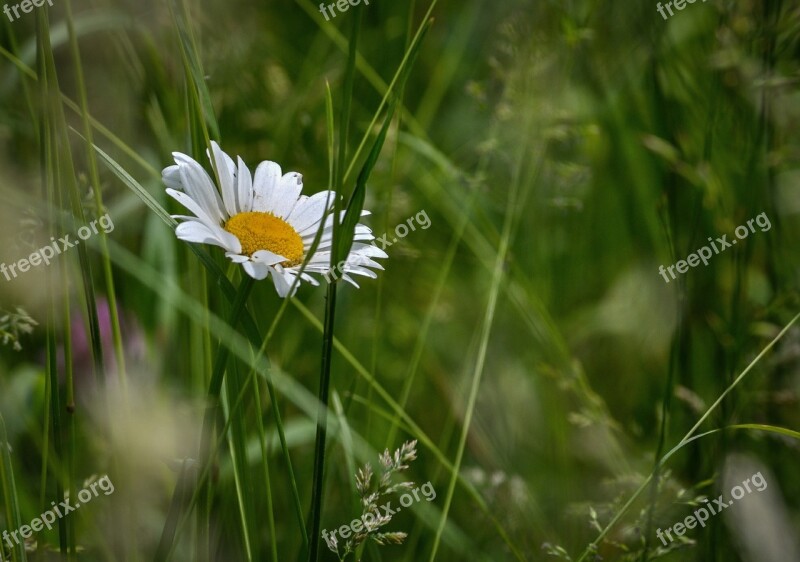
point(264, 222)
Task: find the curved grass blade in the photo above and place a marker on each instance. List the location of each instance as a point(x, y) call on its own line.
point(686, 438)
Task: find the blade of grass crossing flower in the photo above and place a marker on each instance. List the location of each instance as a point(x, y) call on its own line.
point(331, 136)
point(136, 187)
point(371, 75)
point(356, 203)
point(193, 66)
point(318, 477)
point(399, 79)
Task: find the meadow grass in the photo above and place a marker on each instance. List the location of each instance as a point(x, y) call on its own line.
point(562, 399)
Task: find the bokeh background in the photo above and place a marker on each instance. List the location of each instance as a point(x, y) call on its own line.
point(563, 151)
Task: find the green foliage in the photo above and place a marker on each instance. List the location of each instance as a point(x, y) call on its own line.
point(566, 401)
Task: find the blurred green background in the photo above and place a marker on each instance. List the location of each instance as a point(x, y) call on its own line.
point(563, 152)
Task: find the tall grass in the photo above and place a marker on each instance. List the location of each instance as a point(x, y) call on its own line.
point(566, 401)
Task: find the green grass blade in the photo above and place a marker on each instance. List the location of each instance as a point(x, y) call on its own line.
point(9, 487)
point(688, 437)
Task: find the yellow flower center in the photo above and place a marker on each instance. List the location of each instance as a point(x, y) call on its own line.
point(264, 231)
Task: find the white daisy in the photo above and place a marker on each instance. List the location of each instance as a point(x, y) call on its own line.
point(263, 222)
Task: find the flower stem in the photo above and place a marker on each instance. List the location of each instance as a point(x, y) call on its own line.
point(322, 421)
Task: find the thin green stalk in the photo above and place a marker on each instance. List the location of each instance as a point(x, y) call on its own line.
point(237, 444)
point(9, 487)
point(687, 438)
point(414, 429)
point(262, 440)
point(49, 154)
point(322, 420)
point(422, 338)
point(94, 177)
point(179, 499)
point(281, 434)
point(171, 535)
point(669, 391)
point(69, 376)
point(318, 478)
point(498, 275)
point(212, 411)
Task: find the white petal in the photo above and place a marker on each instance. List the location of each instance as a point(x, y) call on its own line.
point(360, 271)
point(307, 277)
point(289, 188)
point(308, 213)
point(198, 185)
point(236, 257)
point(171, 176)
point(363, 261)
point(256, 270)
point(350, 280)
point(362, 234)
point(319, 259)
point(294, 272)
point(370, 250)
point(265, 185)
point(268, 258)
point(194, 231)
point(328, 225)
point(192, 205)
point(324, 240)
point(282, 284)
point(226, 170)
point(244, 187)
